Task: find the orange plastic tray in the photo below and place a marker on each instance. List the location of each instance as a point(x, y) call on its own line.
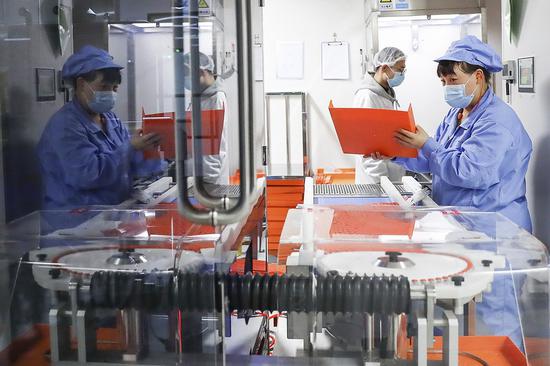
point(494, 350)
point(338, 176)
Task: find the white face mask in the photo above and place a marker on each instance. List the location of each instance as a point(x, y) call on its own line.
point(455, 95)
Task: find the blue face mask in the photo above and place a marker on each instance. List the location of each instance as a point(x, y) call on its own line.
point(455, 95)
point(102, 101)
point(397, 79)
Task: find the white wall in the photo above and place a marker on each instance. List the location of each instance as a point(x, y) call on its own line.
point(313, 22)
point(154, 73)
point(494, 35)
point(422, 88)
point(118, 48)
point(534, 109)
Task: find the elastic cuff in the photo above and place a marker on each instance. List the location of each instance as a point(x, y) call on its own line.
point(430, 146)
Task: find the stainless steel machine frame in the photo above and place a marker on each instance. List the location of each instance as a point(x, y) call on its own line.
point(305, 132)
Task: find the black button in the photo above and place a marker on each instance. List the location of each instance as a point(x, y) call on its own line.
point(457, 280)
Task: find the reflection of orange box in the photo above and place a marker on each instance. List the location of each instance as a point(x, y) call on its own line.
point(163, 124)
point(167, 220)
point(381, 220)
point(366, 130)
point(282, 195)
point(211, 134)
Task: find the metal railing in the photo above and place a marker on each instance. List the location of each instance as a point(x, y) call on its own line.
point(305, 131)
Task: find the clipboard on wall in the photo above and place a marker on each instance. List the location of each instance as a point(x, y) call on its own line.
point(367, 130)
point(335, 60)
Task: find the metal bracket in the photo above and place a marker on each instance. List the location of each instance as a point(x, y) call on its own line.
point(421, 342)
point(430, 309)
point(450, 339)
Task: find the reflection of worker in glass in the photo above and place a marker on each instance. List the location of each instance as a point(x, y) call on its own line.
point(215, 167)
point(377, 92)
point(86, 154)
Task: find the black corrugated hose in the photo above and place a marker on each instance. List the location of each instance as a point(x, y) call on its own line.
point(165, 290)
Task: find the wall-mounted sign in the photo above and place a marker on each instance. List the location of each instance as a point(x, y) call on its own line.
point(402, 4)
point(45, 84)
point(526, 75)
point(205, 8)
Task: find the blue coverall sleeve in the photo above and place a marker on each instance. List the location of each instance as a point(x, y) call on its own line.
point(475, 163)
point(84, 165)
point(141, 167)
point(421, 163)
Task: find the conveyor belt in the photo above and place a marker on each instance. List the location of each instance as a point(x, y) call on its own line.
point(320, 190)
point(353, 190)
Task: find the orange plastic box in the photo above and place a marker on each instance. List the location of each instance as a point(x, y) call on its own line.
point(366, 130)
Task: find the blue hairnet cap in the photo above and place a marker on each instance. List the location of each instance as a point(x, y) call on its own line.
point(87, 59)
point(471, 50)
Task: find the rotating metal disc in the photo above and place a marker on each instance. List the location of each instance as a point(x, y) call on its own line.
point(427, 266)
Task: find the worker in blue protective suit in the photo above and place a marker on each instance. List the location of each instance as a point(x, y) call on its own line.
point(478, 158)
point(86, 154)
point(480, 152)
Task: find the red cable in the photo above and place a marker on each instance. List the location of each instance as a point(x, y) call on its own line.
point(272, 342)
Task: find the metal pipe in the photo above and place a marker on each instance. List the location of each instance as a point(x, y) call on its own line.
point(186, 208)
point(250, 79)
point(370, 332)
point(395, 333)
point(287, 124)
point(282, 94)
point(305, 138)
point(268, 132)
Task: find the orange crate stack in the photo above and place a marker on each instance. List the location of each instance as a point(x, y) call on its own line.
point(282, 195)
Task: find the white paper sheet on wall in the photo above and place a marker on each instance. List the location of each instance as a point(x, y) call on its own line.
point(290, 60)
point(335, 60)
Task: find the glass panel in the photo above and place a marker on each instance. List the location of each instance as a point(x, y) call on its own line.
point(106, 285)
point(358, 281)
point(470, 275)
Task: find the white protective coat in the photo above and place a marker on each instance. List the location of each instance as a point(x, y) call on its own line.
point(367, 170)
point(216, 167)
